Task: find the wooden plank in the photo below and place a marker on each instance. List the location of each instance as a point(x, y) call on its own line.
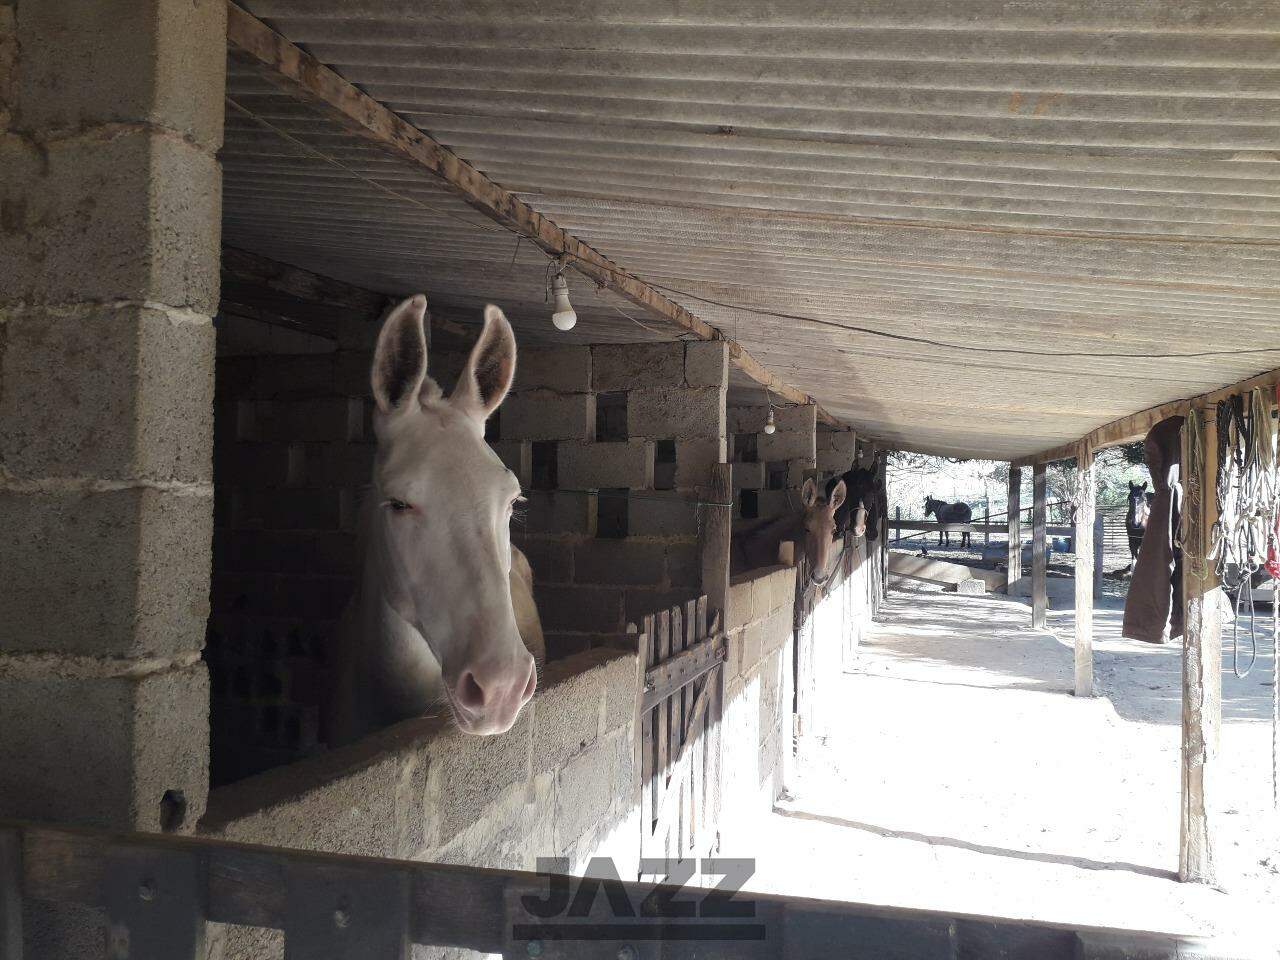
point(714, 536)
point(346, 912)
point(1013, 565)
point(941, 571)
point(678, 706)
point(662, 737)
point(301, 75)
point(1039, 552)
point(1086, 500)
point(675, 673)
point(1135, 426)
point(10, 895)
point(154, 898)
point(1056, 530)
point(639, 758)
point(649, 735)
point(1201, 662)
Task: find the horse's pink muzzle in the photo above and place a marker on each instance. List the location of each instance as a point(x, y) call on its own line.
point(486, 698)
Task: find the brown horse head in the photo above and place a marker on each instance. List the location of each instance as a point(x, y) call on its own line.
point(820, 526)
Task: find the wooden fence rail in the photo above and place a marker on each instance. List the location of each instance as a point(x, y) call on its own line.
point(159, 890)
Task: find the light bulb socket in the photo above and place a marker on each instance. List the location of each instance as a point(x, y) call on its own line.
point(564, 318)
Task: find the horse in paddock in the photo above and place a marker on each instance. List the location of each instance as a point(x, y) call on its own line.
point(1135, 521)
point(443, 614)
point(949, 513)
point(814, 526)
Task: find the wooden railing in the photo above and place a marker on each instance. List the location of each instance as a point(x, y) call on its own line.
point(158, 891)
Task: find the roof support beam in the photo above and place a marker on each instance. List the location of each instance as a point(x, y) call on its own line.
point(301, 75)
point(1136, 425)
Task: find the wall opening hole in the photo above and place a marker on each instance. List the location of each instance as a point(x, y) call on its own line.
point(611, 417)
point(544, 464)
point(750, 504)
point(173, 811)
point(744, 448)
point(776, 475)
point(664, 464)
point(612, 507)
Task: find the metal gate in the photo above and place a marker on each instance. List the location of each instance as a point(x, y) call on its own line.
point(681, 705)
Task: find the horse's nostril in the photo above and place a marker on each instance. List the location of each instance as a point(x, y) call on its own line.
point(470, 694)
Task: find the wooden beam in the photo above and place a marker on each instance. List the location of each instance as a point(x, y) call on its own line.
point(1136, 425)
point(1013, 564)
point(301, 75)
point(1039, 543)
point(1086, 500)
point(1201, 654)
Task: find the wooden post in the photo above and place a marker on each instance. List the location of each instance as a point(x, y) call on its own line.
point(1013, 568)
point(986, 523)
point(1099, 553)
point(1039, 559)
point(10, 895)
point(717, 527)
point(897, 516)
point(1201, 654)
point(1086, 498)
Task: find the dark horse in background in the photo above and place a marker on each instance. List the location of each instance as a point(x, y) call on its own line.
point(863, 502)
point(1135, 522)
point(949, 513)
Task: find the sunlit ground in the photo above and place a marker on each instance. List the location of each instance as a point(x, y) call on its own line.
point(961, 775)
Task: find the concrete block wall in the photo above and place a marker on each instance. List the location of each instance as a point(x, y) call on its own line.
point(836, 451)
point(110, 196)
point(755, 730)
point(562, 782)
point(617, 442)
point(770, 469)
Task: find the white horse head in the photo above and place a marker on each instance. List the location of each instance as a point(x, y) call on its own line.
point(439, 526)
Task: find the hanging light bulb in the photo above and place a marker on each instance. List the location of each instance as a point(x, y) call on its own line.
point(564, 318)
point(769, 425)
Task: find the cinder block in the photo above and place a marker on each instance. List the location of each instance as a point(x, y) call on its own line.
point(518, 457)
point(301, 421)
point(290, 508)
point(134, 217)
point(585, 791)
point(150, 63)
point(834, 461)
point(104, 751)
point(777, 503)
point(740, 419)
point(334, 464)
point(568, 709)
point(292, 376)
point(546, 415)
point(680, 412)
point(740, 603)
point(706, 364)
point(661, 514)
point(786, 445)
point(695, 460)
point(684, 566)
point(581, 609)
point(798, 471)
point(642, 601)
point(627, 366)
point(593, 466)
point(843, 442)
point(119, 573)
point(761, 596)
point(351, 371)
point(752, 647)
point(619, 561)
point(560, 512)
point(107, 393)
point(551, 560)
point(972, 587)
point(467, 773)
point(563, 369)
point(748, 476)
point(782, 583)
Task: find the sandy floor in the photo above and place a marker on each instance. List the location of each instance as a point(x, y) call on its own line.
point(961, 775)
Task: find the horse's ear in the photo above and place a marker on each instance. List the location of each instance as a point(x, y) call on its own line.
point(809, 493)
point(1144, 484)
point(836, 498)
point(400, 358)
point(490, 369)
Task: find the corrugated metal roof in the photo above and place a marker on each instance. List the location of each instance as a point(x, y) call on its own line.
point(1048, 176)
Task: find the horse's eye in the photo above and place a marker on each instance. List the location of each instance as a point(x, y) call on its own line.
point(397, 506)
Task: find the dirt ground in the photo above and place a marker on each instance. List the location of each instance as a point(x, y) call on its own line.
point(960, 774)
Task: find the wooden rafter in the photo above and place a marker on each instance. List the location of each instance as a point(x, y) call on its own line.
point(1136, 425)
point(301, 75)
